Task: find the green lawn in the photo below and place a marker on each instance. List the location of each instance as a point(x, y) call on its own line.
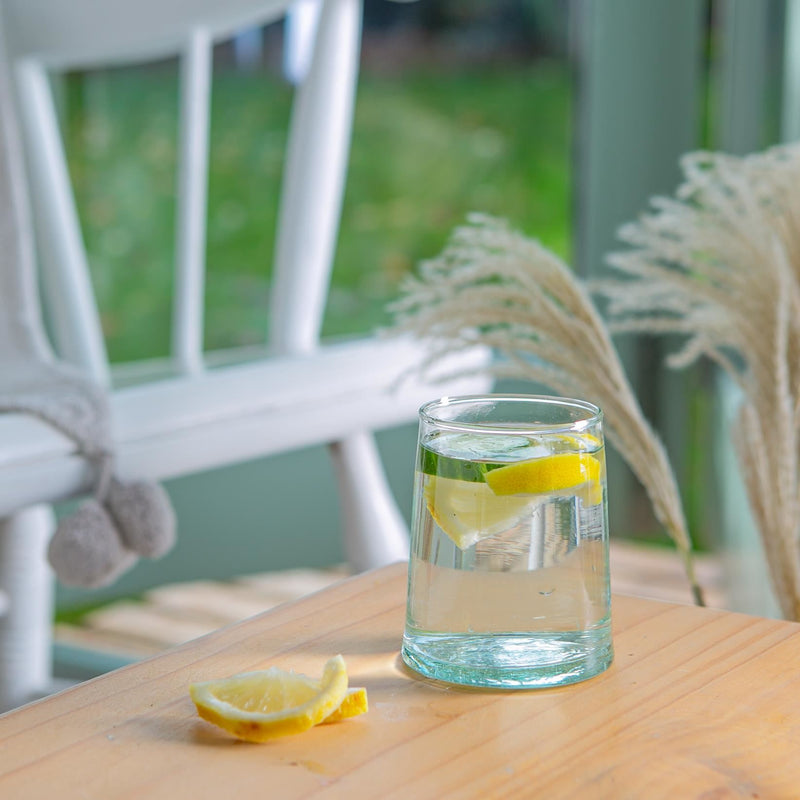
point(428, 147)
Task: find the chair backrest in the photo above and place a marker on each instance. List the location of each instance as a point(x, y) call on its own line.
point(47, 36)
point(197, 418)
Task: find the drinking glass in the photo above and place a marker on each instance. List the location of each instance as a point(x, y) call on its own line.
point(508, 582)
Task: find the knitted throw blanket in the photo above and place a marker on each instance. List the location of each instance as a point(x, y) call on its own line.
point(107, 533)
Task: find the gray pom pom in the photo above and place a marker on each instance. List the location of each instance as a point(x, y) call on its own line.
point(144, 516)
point(86, 549)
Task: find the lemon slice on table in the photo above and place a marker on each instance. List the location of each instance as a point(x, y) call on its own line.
point(258, 706)
point(550, 474)
point(468, 511)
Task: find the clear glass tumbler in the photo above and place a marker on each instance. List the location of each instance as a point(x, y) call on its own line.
point(508, 582)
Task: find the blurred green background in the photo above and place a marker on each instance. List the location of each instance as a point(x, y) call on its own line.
point(427, 149)
point(461, 107)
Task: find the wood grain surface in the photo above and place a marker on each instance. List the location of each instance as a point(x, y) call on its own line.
point(698, 704)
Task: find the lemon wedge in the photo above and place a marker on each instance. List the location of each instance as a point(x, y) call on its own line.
point(553, 473)
point(355, 702)
point(258, 706)
point(468, 511)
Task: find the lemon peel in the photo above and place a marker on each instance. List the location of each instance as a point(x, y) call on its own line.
point(263, 705)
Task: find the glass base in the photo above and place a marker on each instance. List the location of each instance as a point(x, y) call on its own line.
point(510, 661)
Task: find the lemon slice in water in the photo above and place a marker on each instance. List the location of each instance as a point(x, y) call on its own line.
point(468, 511)
point(257, 706)
point(556, 473)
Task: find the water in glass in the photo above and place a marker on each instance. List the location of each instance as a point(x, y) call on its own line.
point(509, 588)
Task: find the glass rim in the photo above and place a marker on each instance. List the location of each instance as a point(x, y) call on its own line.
point(594, 414)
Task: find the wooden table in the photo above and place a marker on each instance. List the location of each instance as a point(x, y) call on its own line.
point(698, 704)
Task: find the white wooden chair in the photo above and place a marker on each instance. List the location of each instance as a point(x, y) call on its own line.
point(199, 418)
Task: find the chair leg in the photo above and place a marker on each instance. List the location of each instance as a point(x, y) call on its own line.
point(26, 584)
point(375, 532)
